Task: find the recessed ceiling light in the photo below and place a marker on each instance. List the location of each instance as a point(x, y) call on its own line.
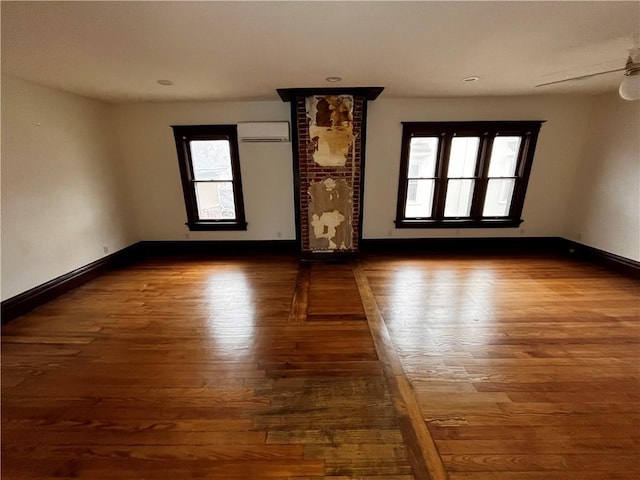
point(165, 82)
point(471, 79)
point(333, 79)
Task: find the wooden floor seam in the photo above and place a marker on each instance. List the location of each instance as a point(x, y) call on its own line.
point(300, 301)
point(424, 454)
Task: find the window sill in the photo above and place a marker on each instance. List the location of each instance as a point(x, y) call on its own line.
point(455, 223)
point(216, 225)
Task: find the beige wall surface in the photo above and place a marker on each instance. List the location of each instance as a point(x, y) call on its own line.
point(147, 144)
point(146, 139)
point(63, 199)
point(605, 205)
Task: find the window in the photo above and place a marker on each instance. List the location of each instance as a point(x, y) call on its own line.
point(210, 171)
point(464, 174)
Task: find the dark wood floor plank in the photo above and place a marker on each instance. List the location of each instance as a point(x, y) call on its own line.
point(300, 302)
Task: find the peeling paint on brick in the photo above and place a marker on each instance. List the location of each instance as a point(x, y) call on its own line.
point(330, 128)
point(331, 215)
point(323, 188)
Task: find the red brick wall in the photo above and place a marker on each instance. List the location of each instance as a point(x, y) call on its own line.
point(309, 171)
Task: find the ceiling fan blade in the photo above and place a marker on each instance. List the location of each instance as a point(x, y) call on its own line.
point(581, 77)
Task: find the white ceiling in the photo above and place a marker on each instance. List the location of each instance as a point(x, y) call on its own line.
point(116, 51)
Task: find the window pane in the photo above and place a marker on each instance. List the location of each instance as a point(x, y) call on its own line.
point(504, 156)
point(423, 152)
point(215, 201)
point(419, 199)
point(211, 159)
point(462, 159)
point(498, 199)
point(459, 195)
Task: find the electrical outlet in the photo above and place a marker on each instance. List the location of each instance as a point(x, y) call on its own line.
point(105, 249)
point(279, 234)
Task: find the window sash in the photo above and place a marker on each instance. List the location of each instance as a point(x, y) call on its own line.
point(424, 208)
point(465, 195)
point(210, 208)
point(226, 209)
point(470, 209)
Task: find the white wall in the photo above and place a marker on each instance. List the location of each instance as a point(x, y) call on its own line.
point(560, 144)
point(148, 147)
point(62, 195)
point(605, 206)
point(146, 138)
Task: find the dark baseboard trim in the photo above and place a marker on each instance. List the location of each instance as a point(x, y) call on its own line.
point(458, 245)
point(610, 260)
point(26, 301)
point(22, 303)
point(209, 248)
point(497, 245)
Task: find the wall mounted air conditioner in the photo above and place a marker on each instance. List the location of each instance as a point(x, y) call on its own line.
point(254, 132)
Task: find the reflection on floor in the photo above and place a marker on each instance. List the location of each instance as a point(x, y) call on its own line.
point(492, 368)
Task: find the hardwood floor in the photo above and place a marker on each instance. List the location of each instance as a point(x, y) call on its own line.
point(193, 369)
point(524, 368)
point(256, 368)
